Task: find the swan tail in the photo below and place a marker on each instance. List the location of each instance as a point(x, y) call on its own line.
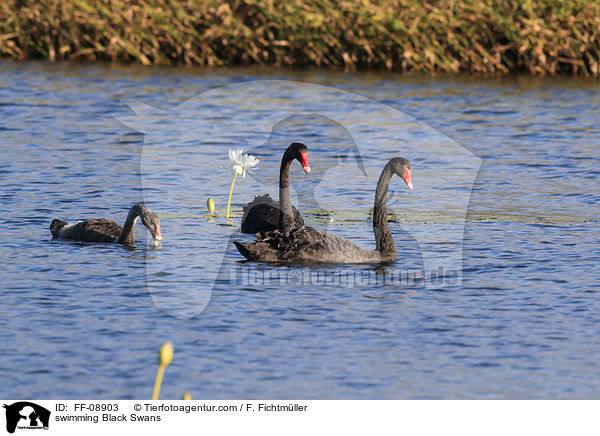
point(247, 250)
point(243, 249)
point(55, 227)
point(257, 251)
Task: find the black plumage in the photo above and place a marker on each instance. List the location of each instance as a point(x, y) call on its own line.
point(264, 214)
point(310, 246)
point(105, 230)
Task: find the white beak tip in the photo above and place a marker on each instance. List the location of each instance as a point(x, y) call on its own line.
point(306, 169)
point(410, 185)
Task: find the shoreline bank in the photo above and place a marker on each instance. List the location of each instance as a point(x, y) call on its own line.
point(485, 36)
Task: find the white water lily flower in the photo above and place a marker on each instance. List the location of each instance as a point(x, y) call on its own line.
point(242, 162)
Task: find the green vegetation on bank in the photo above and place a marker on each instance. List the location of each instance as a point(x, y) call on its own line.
point(542, 37)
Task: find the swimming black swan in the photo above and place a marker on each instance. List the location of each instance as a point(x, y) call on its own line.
point(104, 230)
point(263, 213)
point(307, 245)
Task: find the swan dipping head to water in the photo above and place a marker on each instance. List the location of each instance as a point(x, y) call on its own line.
point(105, 230)
point(152, 223)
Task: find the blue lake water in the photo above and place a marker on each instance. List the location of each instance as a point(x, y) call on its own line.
point(86, 320)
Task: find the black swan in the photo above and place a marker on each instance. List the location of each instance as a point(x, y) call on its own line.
point(263, 214)
point(307, 245)
point(104, 230)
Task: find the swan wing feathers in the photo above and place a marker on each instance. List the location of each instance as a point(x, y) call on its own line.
point(262, 215)
point(305, 245)
point(96, 230)
point(259, 215)
point(309, 245)
point(259, 199)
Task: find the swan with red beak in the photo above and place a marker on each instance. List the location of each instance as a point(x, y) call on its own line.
point(264, 214)
point(304, 161)
point(407, 177)
point(307, 245)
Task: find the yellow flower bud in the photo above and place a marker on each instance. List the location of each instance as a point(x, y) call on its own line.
point(166, 354)
point(210, 205)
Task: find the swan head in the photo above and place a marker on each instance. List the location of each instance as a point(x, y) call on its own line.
point(300, 153)
point(402, 168)
point(151, 221)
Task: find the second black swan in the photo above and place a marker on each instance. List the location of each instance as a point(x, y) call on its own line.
point(105, 230)
point(263, 214)
point(308, 245)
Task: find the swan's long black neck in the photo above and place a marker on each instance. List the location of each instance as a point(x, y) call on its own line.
point(127, 236)
point(286, 216)
point(383, 238)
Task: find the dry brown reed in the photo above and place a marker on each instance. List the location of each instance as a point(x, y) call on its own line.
point(541, 37)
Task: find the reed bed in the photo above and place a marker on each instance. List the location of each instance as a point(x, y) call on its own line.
point(541, 37)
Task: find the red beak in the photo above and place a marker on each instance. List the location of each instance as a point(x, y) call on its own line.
point(408, 178)
point(304, 161)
